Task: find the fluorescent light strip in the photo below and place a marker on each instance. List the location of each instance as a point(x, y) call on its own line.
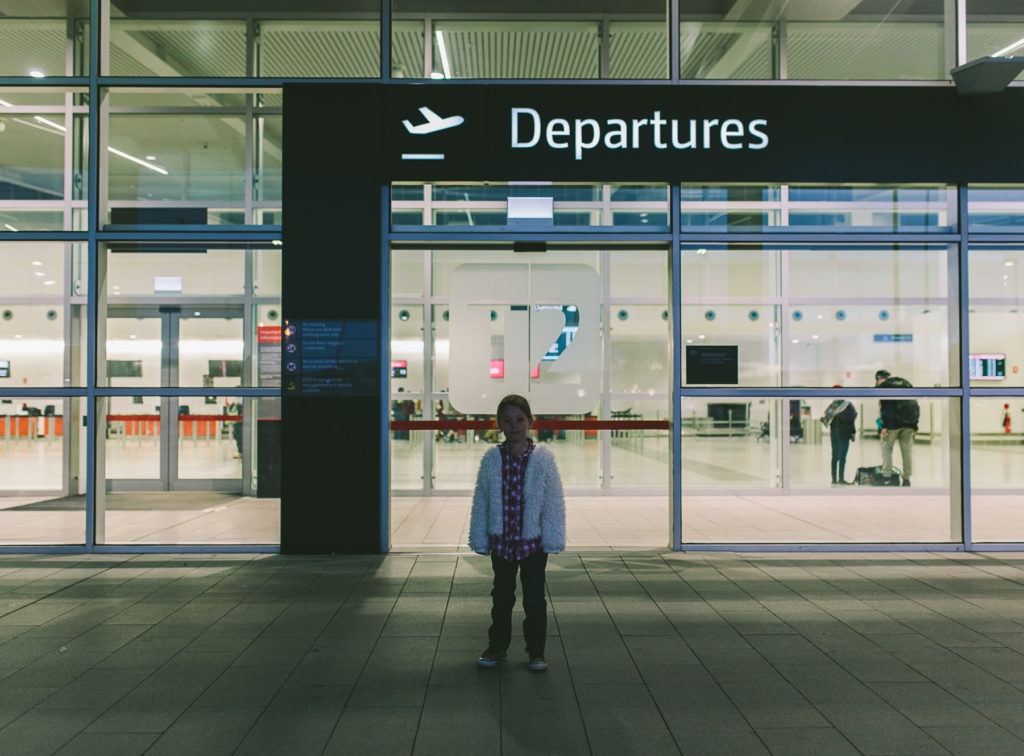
point(444, 55)
point(6, 104)
point(50, 123)
point(422, 156)
point(141, 162)
point(9, 227)
point(1005, 50)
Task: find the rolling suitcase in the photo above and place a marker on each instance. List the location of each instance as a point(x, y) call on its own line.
point(872, 476)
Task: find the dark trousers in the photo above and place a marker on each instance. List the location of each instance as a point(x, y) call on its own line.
point(840, 446)
point(535, 626)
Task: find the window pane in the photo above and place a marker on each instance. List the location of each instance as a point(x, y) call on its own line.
point(996, 322)
point(320, 48)
point(710, 49)
point(996, 208)
point(818, 316)
point(758, 470)
point(33, 37)
point(33, 169)
point(866, 45)
point(161, 47)
point(174, 274)
point(42, 501)
point(997, 475)
point(178, 158)
point(565, 40)
point(882, 208)
point(994, 27)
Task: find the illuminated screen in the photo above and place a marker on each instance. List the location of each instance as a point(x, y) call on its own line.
point(988, 367)
point(399, 369)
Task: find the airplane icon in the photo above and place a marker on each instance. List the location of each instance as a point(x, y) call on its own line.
point(434, 122)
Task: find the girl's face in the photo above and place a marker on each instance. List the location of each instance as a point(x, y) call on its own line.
point(514, 424)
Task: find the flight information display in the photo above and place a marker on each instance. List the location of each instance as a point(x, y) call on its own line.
point(988, 367)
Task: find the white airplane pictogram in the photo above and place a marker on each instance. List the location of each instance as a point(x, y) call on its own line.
point(434, 122)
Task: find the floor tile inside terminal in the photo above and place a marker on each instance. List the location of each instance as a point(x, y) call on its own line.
point(650, 653)
point(728, 497)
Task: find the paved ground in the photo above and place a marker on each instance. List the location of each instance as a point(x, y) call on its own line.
point(650, 653)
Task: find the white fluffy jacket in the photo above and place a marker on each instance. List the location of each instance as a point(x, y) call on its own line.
point(543, 502)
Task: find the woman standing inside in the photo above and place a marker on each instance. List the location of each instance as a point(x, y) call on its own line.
point(518, 518)
point(840, 419)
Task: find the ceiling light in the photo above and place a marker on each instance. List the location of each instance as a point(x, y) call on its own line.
point(1008, 263)
point(702, 251)
point(6, 104)
point(436, 75)
point(40, 273)
point(51, 124)
point(35, 73)
point(444, 54)
point(49, 283)
point(37, 262)
point(17, 335)
point(9, 227)
point(133, 336)
point(150, 157)
point(134, 159)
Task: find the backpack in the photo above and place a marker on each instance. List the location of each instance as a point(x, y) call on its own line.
point(906, 412)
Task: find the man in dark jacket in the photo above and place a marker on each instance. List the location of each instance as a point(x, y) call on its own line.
point(899, 423)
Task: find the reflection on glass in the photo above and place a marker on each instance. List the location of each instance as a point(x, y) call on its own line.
point(210, 349)
point(164, 47)
point(994, 29)
point(321, 48)
point(995, 316)
point(640, 206)
point(849, 311)
point(131, 438)
point(41, 501)
point(995, 208)
point(740, 453)
point(640, 362)
point(175, 274)
point(196, 470)
point(997, 475)
point(36, 43)
point(176, 157)
point(884, 208)
point(407, 368)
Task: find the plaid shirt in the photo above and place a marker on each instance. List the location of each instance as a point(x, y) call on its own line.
point(510, 544)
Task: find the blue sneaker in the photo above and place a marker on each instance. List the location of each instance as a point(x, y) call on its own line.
point(538, 663)
point(490, 658)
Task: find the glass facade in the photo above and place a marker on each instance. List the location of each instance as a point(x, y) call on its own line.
point(141, 163)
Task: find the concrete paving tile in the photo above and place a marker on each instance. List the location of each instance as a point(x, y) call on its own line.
point(713, 731)
point(150, 710)
point(299, 720)
point(329, 668)
point(108, 743)
point(928, 705)
point(375, 729)
point(95, 689)
point(243, 686)
point(659, 651)
point(591, 666)
point(627, 707)
point(477, 735)
point(806, 741)
point(615, 742)
point(1005, 663)
point(826, 683)
point(203, 730)
point(43, 730)
point(14, 702)
point(879, 729)
point(189, 668)
point(413, 624)
point(969, 741)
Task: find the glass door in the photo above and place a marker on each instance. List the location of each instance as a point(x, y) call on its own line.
point(170, 443)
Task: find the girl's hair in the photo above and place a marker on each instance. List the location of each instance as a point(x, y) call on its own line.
point(519, 402)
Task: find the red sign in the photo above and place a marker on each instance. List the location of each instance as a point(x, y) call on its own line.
point(268, 334)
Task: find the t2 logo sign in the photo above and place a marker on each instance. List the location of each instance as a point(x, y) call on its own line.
point(540, 323)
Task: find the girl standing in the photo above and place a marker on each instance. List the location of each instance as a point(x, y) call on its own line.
point(518, 518)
